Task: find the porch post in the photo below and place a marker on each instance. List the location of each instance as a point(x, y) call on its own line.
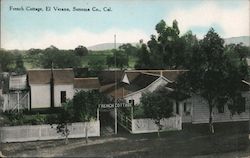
point(115, 120)
point(28, 101)
point(97, 114)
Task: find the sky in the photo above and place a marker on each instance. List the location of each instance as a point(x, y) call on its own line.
point(27, 24)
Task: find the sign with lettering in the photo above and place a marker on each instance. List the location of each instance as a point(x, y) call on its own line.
point(117, 105)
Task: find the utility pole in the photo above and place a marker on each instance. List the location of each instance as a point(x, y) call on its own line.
point(115, 87)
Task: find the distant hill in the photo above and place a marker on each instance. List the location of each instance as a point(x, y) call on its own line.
point(106, 46)
point(236, 40)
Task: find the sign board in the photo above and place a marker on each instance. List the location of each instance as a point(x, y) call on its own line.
point(117, 105)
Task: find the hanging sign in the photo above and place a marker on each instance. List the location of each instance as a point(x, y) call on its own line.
point(117, 105)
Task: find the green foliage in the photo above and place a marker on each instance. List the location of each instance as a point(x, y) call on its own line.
point(143, 55)
point(118, 59)
point(60, 58)
point(81, 51)
point(156, 105)
point(85, 104)
point(6, 61)
point(164, 50)
point(96, 64)
point(138, 112)
point(19, 68)
point(216, 73)
point(16, 118)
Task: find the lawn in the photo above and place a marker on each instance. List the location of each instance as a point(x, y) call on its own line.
point(193, 140)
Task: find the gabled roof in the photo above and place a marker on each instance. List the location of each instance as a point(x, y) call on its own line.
point(87, 83)
point(170, 75)
point(140, 82)
point(43, 76)
point(18, 82)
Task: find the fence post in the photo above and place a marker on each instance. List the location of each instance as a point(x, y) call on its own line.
point(18, 106)
point(28, 101)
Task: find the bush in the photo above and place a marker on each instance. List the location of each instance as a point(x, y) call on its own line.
point(139, 112)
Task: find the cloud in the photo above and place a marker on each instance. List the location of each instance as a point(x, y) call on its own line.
point(72, 39)
point(232, 21)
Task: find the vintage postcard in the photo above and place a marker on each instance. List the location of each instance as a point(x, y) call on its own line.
point(134, 78)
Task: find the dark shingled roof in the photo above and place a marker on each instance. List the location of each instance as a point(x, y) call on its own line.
point(140, 82)
point(107, 77)
point(43, 76)
point(87, 83)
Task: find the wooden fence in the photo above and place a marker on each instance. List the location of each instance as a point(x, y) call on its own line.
point(47, 132)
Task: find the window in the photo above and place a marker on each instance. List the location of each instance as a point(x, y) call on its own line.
point(132, 102)
point(221, 109)
point(177, 107)
point(63, 96)
point(187, 108)
point(242, 104)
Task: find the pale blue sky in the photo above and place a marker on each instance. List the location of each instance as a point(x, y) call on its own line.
point(130, 20)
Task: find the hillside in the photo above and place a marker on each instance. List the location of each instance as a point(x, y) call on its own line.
point(106, 46)
point(236, 40)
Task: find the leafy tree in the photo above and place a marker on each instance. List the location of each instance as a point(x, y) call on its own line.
point(215, 75)
point(129, 50)
point(85, 106)
point(64, 119)
point(165, 48)
point(190, 45)
point(19, 68)
point(143, 55)
point(81, 51)
point(6, 60)
point(60, 58)
point(96, 65)
point(157, 106)
point(118, 59)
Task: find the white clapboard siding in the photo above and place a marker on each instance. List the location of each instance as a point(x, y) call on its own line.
point(201, 112)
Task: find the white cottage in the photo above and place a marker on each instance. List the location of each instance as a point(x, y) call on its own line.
point(193, 109)
point(50, 88)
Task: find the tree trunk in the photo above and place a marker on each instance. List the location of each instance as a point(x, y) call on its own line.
point(66, 134)
point(211, 126)
point(158, 133)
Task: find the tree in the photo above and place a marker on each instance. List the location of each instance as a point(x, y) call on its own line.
point(96, 65)
point(118, 59)
point(81, 51)
point(19, 68)
point(214, 76)
point(85, 106)
point(64, 119)
point(157, 106)
point(6, 60)
point(60, 58)
point(143, 55)
point(165, 48)
point(129, 50)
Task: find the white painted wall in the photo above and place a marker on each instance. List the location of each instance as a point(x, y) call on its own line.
point(69, 88)
point(40, 95)
point(200, 112)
